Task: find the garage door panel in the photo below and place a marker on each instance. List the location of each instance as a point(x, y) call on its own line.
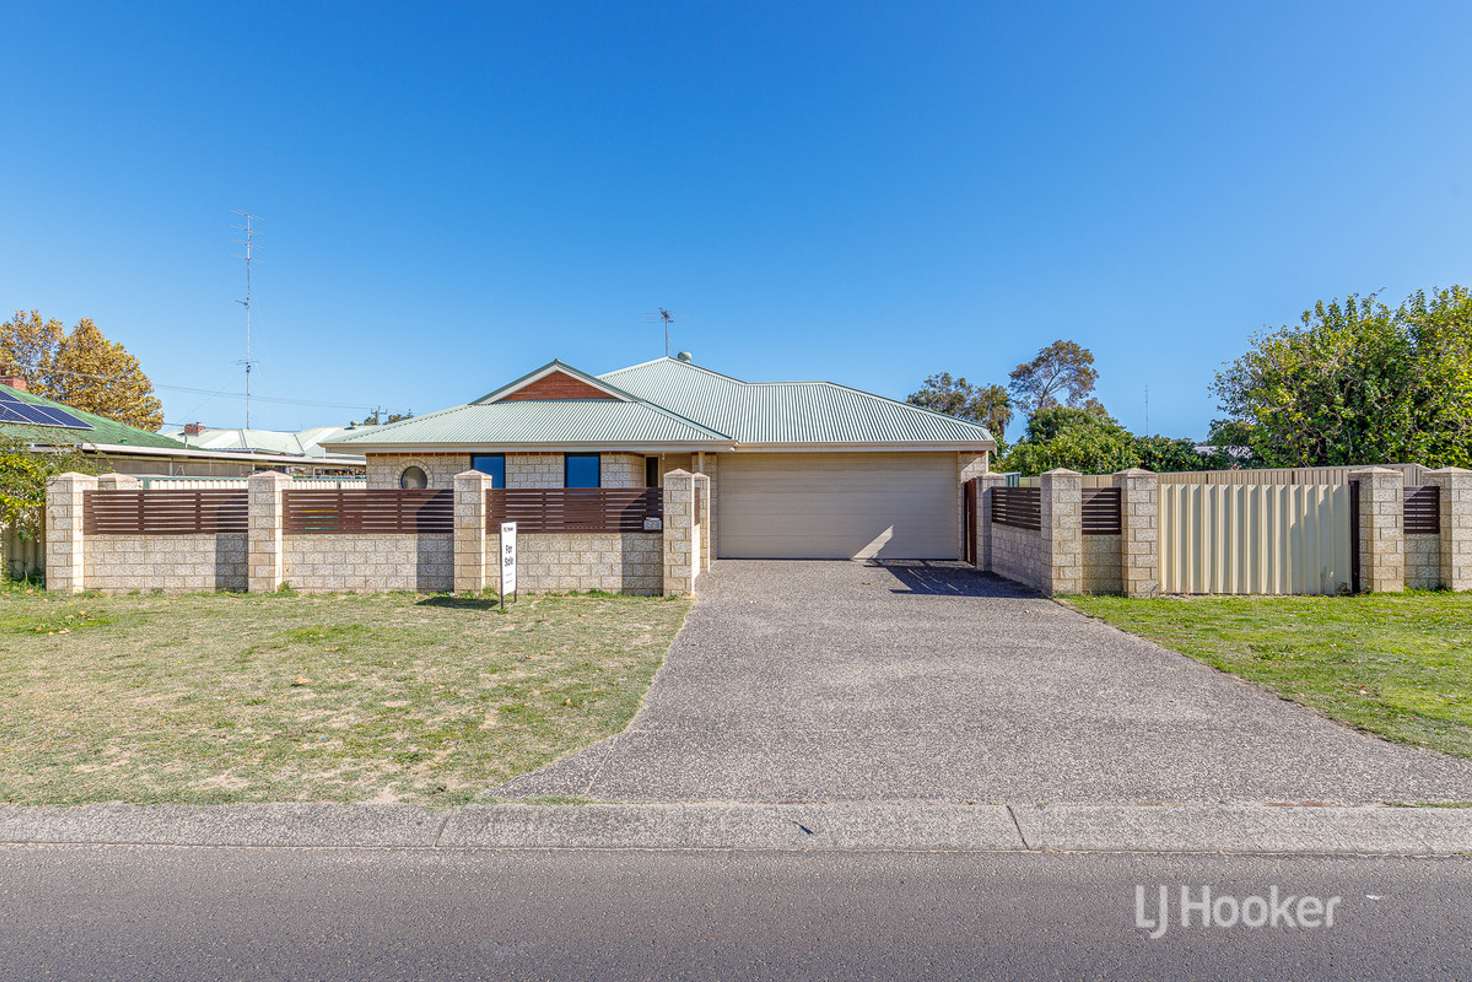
point(838, 506)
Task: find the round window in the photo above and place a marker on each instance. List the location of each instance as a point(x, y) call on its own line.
point(413, 479)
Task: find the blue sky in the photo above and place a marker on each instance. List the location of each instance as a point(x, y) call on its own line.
point(867, 193)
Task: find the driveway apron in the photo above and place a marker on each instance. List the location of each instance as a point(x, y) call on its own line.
point(848, 681)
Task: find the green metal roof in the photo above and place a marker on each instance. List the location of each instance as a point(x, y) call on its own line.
point(605, 421)
point(668, 401)
point(101, 430)
point(789, 412)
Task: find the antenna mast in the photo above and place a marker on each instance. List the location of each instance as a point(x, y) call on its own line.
point(668, 319)
point(1147, 411)
point(248, 362)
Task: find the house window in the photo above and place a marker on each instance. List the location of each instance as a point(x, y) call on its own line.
point(493, 464)
point(651, 472)
point(413, 479)
point(581, 470)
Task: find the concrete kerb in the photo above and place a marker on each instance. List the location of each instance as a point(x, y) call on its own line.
point(892, 826)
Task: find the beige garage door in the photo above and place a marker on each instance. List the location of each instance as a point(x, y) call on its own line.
point(837, 506)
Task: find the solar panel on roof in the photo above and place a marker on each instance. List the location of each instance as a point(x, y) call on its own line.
point(51, 416)
point(13, 410)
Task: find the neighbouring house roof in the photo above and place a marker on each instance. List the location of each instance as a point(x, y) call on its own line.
point(299, 443)
point(100, 430)
point(669, 402)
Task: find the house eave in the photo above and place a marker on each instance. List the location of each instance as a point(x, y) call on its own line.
point(488, 446)
point(680, 446)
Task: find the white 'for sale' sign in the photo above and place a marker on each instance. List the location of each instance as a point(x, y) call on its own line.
point(508, 559)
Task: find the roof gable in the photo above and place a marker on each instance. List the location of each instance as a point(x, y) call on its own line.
point(553, 382)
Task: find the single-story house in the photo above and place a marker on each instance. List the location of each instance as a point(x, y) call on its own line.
point(798, 469)
point(303, 447)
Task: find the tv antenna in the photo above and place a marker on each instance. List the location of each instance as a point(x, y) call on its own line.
point(249, 363)
point(667, 318)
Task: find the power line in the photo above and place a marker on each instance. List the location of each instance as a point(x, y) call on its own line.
point(217, 392)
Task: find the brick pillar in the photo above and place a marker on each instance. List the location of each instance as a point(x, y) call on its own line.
point(702, 521)
point(118, 482)
point(1062, 534)
point(1139, 531)
point(984, 485)
point(679, 531)
point(65, 547)
point(1382, 530)
point(265, 559)
point(1456, 526)
point(470, 532)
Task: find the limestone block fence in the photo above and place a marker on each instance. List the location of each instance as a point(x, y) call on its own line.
point(109, 534)
point(1127, 533)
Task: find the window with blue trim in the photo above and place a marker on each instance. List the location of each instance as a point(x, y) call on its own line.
point(493, 464)
point(582, 470)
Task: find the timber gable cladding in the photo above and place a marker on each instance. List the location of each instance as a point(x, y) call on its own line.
point(554, 386)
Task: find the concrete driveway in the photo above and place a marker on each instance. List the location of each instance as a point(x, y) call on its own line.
point(837, 681)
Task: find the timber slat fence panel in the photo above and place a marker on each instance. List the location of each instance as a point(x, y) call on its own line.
point(1019, 507)
point(536, 510)
point(1255, 539)
point(355, 512)
point(1423, 510)
point(1101, 511)
point(163, 512)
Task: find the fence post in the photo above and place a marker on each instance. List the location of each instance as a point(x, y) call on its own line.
point(470, 531)
point(264, 557)
point(681, 564)
point(983, 519)
point(702, 544)
point(1062, 534)
point(65, 545)
point(1382, 525)
point(1456, 526)
point(1139, 531)
point(118, 482)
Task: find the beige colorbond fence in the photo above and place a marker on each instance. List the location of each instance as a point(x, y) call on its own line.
point(1413, 474)
point(1255, 538)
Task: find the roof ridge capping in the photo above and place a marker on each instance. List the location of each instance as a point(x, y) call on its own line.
point(682, 364)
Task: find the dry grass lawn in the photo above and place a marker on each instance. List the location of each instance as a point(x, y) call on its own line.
point(232, 698)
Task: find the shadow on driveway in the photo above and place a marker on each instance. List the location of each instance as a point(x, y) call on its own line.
point(946, 579)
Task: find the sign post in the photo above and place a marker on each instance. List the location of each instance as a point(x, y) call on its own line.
point(508, 560)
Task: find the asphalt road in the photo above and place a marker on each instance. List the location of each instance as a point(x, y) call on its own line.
point(170, 912)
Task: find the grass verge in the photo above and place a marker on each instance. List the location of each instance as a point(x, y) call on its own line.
point(211, 698)
point(1396, 665)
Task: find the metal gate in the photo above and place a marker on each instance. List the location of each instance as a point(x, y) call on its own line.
point(1256, 538)
point(968, 520)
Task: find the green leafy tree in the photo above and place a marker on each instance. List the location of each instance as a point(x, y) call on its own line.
point(82, 369)
point(988, 405)
point(1084, 440)
point(23, 476)
point(1359, 383)
point(1163, 453)
point(1060, 374)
